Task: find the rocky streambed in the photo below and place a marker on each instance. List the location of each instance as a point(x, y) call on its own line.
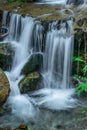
point(73, 119)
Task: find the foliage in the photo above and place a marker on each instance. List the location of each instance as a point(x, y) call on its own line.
point(11, 1)
point(15, 1)
point(80, 77)
point(77, 76)
point(85, 69)
point(28, 128)
point(81, 88)
point(77, 59)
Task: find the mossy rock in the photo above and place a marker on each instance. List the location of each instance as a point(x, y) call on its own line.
point(4, 87)
point(76, 2)
point(34, 64)
point(6, 56)
point(29, 82)
point(3, 110)
point(22, 127)
point(6, 128)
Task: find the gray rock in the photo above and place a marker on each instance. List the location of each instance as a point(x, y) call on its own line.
point(29, 82)
point(6, 56)
point(76, 2)
point(34, 64)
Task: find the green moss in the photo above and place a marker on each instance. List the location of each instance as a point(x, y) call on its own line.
point(6, 56)
point(34, 64)
point(29, 82)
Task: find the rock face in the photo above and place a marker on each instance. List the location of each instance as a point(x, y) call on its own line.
point(29, 82)
point(76, 2)
point(4, 87)
point(6, 56)
point(22, 127)
point(34, 64)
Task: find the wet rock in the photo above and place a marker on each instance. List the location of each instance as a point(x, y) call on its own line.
point(60, 127)
point(76, 2)
point(6, 56)
point(34, 64)
point(3, 33)
point(3, 110)
point(29, 82)
point(21, 127)
point(75, 81)
point(4, 87)
point(1, 129)
point(6, 128)
point(80, 22)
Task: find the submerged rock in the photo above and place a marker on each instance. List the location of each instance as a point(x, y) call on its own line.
point(29, 82)
point(6, 56)
point(34, 64)
point(4, 87)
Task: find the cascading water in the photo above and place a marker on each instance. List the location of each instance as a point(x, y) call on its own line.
point(57, 92)
point(85, 1)
point(53, 1)
point(23, 51)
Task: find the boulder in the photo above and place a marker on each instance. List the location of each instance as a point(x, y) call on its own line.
point(4, 87)
point(6, 55)
point(22, 127)
point(34, 64)
point(29, 82)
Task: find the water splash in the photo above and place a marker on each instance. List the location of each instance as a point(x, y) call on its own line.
point(23, 51)
point(52, 2)
point(57, 64)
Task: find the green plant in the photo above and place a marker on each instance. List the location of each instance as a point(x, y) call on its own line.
point(29, 128)
point(81, 88)
point(14, 1)
point(11, 1)
point(85, 69)
point(77, 59)
point(76, 76)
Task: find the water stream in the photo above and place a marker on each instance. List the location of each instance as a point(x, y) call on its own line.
point(22, 45)
point(57, 92)
point(53, 1)
point(63, 2)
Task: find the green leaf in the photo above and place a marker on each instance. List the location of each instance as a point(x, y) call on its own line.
point(11, 1)
point(85, 69)
point(83, 111)
point(77, 59)
point(28, 128)
point(81, 88)
point(76, 76)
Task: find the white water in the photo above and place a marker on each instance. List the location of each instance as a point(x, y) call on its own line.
point(21, 105)
point(53, 1)
point(57, 92)
point(85, 1)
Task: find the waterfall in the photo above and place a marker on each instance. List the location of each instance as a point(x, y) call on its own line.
point(26, 37)
point(85, 1)
point(57, 92)
point(53, 1)
point(22, 45)
point(4, 18)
